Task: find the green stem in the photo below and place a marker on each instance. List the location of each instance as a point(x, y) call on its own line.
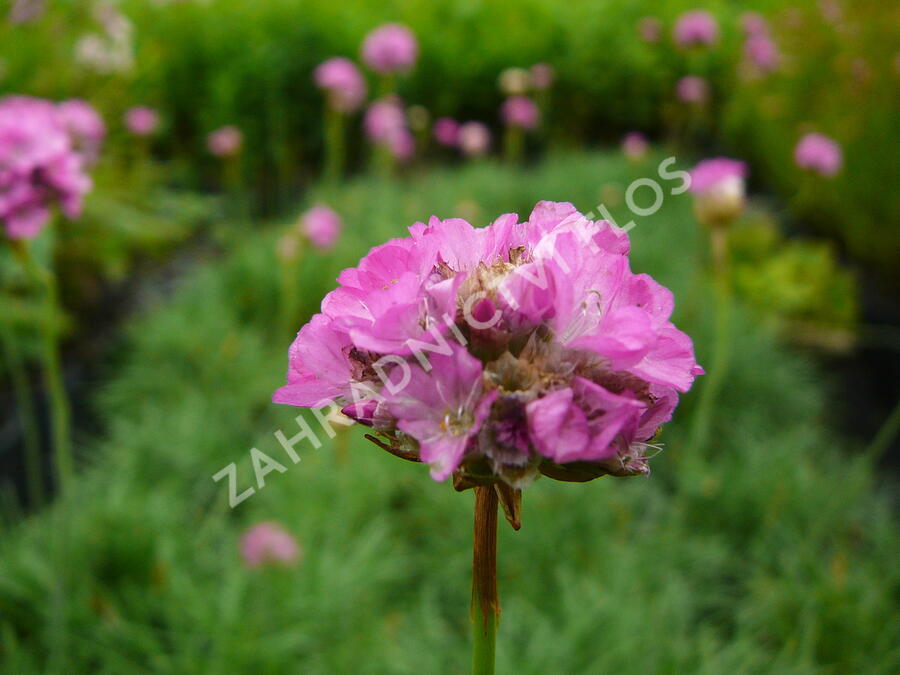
point(335, 147)
point(485, 602)
point(52, 364)
point(718, 366)
point(27, 416)
point(513, 144)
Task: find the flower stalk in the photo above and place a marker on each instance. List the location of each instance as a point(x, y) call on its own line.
point(485, 602)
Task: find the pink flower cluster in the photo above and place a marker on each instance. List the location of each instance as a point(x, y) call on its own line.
point(820, 154)
point(386, 125)
point(635, 145)
point(521, 112)
point(344, 83)
point(500, 353)
point(141, 120)
point(225, 141)
point(391, 48)
point(269, 543)
point(43, 152)
point(692, 89)
point(322, 226)
point(718, 188)
point(696, 28)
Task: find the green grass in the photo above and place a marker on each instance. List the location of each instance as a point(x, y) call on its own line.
point(769, 551)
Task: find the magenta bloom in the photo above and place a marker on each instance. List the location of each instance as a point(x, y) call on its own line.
point(762, 52)
point(85, 126)
point(542, 76)
point(474, 139)
point(269, 543)
point(141, 120)
point(390, 48)
point(446, 131)
point(820, 154)
point(650, 29)
point(520, 111)
point(696, 28)
point(344, 83)
point(718, 189)
point(225, 142)
point(692, 89)
point(40, 166)
point(753, 23)
point(500, 353)
point(386, 125)
point(634, 145)
point(322, 226)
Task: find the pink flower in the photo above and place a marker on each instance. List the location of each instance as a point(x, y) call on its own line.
point(718, 189)
point(820, 154)
point(753, 23)
point(141, 120)
point(520, 111)
point(474, 139)
point(446, 131)
point(269, 543)
point(634, 145)
point(85, 126)
point(650, 29)
point(322, 226)
point(40, 166)
point(762, 52)
point(500, 353)
point(390, 48)
point(344, 83)
point(386, 125)
point(692, 89)
point(225, 142)
point(542, 76)
point(696, 28)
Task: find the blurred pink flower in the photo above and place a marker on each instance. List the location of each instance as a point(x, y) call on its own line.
point(390, 48)
point(650, 29)
point(344, 83)
point(446, 131)
point(753, 23)
point(474, 139)
point(322, 226)
point(85, 126)
point(718, 188)
point(269, 543)
point(225, 142)
point(634, 145)
point(141, 120)
point(820, 154)
point(542, 76)
point(694, 28)
point(39, 166)
point(520, 111)
point(692, 89)
point(762, 52)
point(383, 118)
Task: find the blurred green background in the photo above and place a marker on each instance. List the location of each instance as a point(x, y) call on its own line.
point(771, 547)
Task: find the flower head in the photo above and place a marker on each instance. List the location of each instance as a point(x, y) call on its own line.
point(634, 145)
point(650, 29)
point(520, 111)
point(753, 23)
point(446, 131)
point(474, 139)
point(819, 154)
point(692, 89)
point(762, 53)
point(501, 353)
point(322, 226)
point(141, 120)
point(514, 81)
point(85, 126)
point(391, 48)
point(41, 165)
point(718, 189)
point(542, 76)
point(695, 28)
point(225, 142)
point(269, 543)
point(343, 82)
point(386, 125)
